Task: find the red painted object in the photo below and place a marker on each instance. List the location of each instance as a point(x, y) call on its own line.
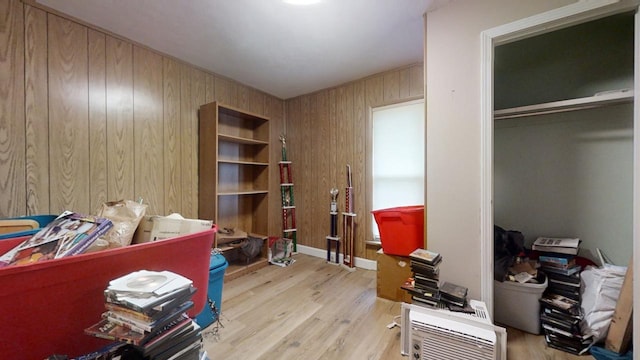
point(45, 306)
point(401, 229)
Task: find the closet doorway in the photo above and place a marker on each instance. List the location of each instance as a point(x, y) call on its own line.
point(556, 20)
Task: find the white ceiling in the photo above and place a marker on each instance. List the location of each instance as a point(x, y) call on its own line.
point(284, 50)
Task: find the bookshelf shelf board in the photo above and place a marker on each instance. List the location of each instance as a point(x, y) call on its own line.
point(241, 162)
point(246, 192)
point(241, 140)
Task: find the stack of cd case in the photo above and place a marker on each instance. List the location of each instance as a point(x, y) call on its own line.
point(424, 285)
point(147, 310)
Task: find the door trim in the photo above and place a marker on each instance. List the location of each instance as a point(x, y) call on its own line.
point(569, 15)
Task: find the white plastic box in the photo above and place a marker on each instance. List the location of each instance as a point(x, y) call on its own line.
point(517, 305)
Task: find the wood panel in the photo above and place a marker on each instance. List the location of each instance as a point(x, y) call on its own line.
point(333, 135)
point(68, 115)
point(316, 201)
point(88, 80)
point(416, 87)
point(226, 91)
point(190, 136)
point(119, 81)
point(294, 154)
point(318, 127)
point(274, 110)
point(324, 146)
point(97, 119)
point(345, 155)
point(336, 134)
point(305, 201)
point(374, 95)
point(186, 134)
point(148, 128)
point(251, 100)
point(172, 136)
point(374, 87)
point(359, 168)
point(12, 126)
point(210, 88)
point(392, 86)
point(36, 111)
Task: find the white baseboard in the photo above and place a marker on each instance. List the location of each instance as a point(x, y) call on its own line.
point(322, 253)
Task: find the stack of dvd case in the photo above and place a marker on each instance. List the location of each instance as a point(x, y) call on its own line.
point(563, 274)
point(560, 318)
point(424, 285)
point(454, 296)
point(147, 311)
point(561, 311)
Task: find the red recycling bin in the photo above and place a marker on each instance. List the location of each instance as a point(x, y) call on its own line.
point(401, 229)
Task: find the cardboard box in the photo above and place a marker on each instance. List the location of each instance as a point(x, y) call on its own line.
point(393, 271)
point(154, 227)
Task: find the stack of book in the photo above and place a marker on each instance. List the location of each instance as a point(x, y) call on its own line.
point(560, 318)
point(424, 285)
point(147, 310)
point(560, 305)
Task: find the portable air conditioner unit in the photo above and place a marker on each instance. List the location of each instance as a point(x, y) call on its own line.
point(440, 334)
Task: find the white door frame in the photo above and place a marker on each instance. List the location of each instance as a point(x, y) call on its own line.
point(578, 12)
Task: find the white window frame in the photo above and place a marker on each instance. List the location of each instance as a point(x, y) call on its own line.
point(400, 149)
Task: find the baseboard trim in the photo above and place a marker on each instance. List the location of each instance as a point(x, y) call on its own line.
point(322, 253)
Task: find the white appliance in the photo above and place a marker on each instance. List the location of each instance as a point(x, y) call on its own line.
point(440, 334)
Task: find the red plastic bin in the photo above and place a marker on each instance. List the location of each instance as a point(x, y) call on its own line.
point(401, 229)
point(45, 306)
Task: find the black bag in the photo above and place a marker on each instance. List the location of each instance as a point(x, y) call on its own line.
point(506, 246)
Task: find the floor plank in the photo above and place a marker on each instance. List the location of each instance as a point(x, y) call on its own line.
point(314, 310)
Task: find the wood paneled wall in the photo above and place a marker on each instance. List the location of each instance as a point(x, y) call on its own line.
point(326, 131)
point(88, 117)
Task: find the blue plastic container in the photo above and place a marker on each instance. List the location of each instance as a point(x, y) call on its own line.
point(43, 220)
point(217, 267)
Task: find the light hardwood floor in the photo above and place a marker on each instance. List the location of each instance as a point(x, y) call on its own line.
point(314, 310)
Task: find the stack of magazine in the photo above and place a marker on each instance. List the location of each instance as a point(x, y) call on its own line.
point(147, 311)
point(424, 285)
point(69, 234)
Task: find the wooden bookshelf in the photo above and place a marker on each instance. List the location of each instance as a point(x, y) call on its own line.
point(234, 178)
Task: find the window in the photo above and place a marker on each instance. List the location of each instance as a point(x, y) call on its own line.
point(397, 156)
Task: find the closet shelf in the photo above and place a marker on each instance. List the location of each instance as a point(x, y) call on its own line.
point(589, 102)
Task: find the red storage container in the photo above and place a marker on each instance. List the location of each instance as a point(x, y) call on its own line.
point(401, 229)
point(45, 306)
